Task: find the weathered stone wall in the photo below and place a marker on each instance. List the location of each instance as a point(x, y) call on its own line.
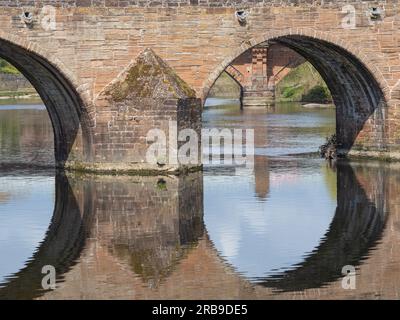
point(95, 40)
point(260, 69)
point(280, 61)
point(149, 95)
point(180, 3)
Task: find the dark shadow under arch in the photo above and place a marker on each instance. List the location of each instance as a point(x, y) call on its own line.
point(357, 94)
point(84, 208)
point(66, 109)
point(355, 91)
point(356, 229)
point(62, 246)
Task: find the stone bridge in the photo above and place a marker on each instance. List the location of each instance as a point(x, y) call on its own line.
point(110, 70)
point(258, 70)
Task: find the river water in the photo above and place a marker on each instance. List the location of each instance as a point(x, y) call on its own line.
point(284, 228)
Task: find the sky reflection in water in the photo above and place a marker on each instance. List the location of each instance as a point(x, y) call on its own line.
point(262, 222)
point(268, 221)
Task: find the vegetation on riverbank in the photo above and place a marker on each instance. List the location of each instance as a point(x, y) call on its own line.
point(7, 68)
point(303, 84)
point(225, 87)
point(13, 84)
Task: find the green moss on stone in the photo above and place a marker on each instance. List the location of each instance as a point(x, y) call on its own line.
point(150, 77)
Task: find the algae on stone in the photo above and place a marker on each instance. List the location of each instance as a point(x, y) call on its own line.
point(152, 78)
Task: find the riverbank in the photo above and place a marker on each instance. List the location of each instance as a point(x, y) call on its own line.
point(10, 95)
point(303, 84)
point(13, 84)
point(318, 105)
point(21, 103)
point(225, 87)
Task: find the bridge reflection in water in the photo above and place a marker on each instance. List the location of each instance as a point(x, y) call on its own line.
point(144, 237)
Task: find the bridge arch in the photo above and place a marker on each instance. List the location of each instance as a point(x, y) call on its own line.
point(67, 103)
point(236, 77)
point(359, 90)
point(62, 245)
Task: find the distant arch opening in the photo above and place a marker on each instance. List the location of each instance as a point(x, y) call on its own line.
point(357, 94)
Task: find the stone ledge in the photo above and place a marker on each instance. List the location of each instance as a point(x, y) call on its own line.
point(374, 155)
point(138, 169)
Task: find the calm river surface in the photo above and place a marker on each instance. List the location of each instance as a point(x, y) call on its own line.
point(283, 229)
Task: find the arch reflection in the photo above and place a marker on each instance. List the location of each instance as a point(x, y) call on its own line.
point(62, 245)
point(356, 229)
point(152, 224)
point(147, 223)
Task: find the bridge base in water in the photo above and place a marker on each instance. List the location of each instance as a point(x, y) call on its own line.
point(258, 98)
point(131, 168)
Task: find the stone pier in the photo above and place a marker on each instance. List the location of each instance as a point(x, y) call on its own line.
point(260, 69)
